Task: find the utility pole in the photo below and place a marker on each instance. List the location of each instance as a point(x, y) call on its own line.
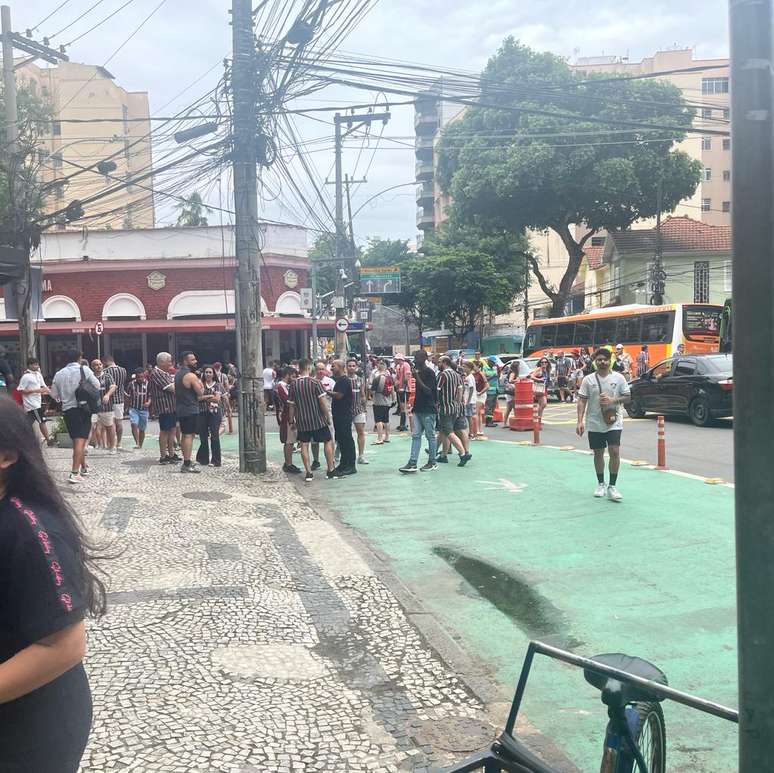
point(526, 297)
point(752, 173)
point(23, 287)
point(252, 438)
point(315, 311)
point(658, 275)
point(344, 250)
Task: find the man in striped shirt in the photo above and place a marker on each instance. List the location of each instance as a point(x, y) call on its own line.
point(118, 374)
point(138, 396)
point(162, 393)
point(452, 424)
point(310, 415)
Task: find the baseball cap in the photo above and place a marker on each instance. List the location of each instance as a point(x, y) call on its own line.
point(619, 346)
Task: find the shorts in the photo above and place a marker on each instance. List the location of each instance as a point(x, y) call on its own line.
point(470, 410)
point(481, 399)
point(78, 423)
point(118, 411)
point(359, 419)
point(287, 435)
point(189, 425)
point(105, 419)
point(451, 422)
point(599, 440)
point(138, 418)
point(382, 414)
point(167, 421)
point(561, 381)
point(36, 416)
point(321, 435)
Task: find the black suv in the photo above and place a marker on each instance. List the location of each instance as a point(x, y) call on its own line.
point(699, 386)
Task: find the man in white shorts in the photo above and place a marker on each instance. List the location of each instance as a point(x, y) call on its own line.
point(33, 387)
point(105, 425)
point(119, 376)
point(359, 408)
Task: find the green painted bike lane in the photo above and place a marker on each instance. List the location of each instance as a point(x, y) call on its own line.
point(514, 546)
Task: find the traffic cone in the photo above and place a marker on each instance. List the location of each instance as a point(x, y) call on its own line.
point(497, 415)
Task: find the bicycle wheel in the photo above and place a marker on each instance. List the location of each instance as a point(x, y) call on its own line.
point(650, 736)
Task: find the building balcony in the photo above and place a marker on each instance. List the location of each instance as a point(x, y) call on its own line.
point(424, 148)
point(425, 194)
point(426, 123)
point(424, 171)
point(425, 218)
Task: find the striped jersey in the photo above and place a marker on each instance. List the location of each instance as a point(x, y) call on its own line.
point(118, 374)
point(105, 382)
point(304, 394)
point(136, 394)
point(163, 402)
point(358, 404)
point(449, 387)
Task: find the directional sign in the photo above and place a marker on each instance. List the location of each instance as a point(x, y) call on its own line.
point(380, 280)
point(342, 325)
point(307, 299)
point(99, 328)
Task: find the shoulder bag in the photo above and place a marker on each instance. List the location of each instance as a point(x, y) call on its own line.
point(610, 415)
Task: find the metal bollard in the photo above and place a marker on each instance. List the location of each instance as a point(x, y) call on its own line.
point(535, 425)
point(661, 444)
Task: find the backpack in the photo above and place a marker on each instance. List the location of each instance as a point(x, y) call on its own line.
point(385, 386)
point(87, 395)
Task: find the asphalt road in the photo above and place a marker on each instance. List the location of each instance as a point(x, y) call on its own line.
point(705, 451)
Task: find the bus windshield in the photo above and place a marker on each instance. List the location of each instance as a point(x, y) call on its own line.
point(701, 322)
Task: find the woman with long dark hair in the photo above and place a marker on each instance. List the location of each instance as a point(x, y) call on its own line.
point(210, 417)
point(48, 583)
point(541, 377)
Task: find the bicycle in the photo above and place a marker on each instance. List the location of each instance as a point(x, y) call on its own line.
point(635, 737)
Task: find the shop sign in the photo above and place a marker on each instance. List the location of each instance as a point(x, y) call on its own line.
point(291, 279)
point(156, 280)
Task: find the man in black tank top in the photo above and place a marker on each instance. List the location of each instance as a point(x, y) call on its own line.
point(188, 392)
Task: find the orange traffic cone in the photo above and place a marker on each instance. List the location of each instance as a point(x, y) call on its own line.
point(498, 412)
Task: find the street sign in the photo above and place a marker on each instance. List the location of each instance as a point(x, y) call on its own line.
point(380, 280)
point(307, 298)
point(342, 325)
point(364, 314)
point(99, 328)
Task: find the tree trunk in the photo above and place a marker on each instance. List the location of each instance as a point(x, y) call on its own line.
point(575, 257)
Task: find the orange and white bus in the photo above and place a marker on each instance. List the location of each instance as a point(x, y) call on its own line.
point(662, 328)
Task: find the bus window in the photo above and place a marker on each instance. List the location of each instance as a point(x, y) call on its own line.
point(584, 333)
point(564, 333)
point(532, 340)
point(548, 337)
point(629, 329)
point(606, 331)
point(657, 328)
point(701, 322)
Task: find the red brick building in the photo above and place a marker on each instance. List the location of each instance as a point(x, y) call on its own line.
point(163, 289)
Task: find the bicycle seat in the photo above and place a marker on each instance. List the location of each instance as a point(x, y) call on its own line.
point(616, 691)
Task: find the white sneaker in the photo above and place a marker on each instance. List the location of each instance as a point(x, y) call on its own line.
point(362, 460)
point(600, 490)
point(75, 478)
point(613, 494)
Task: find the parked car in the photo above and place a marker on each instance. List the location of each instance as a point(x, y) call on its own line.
point(699, 386)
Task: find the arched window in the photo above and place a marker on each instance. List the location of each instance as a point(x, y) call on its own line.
point(123, 306)
point(193, 304)
point(61, 308)
point(289, 303)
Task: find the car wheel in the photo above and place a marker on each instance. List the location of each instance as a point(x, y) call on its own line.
point(635, 410)
point(699, 412)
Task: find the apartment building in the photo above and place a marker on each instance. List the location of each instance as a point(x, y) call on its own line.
point(93, 119)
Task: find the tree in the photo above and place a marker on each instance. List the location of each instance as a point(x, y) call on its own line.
point(386, 252)
point(192, 212)
point(555, 150)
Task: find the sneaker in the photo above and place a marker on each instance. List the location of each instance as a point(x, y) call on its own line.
point(315, 465)
point(308, 477)
point(84, 471)
point(112, 451)
point(290, 468)
point(362, 460)
point(600, 490)
point(429, 467)
point(189, 468)
point(464, 459)
point(333, 474)
point(343, 473)
point(613, 494)
point(74, 477)
point(165, 460)
point(407, 468)
point(442, 459)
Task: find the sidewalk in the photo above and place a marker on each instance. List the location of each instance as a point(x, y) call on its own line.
point(245, 634)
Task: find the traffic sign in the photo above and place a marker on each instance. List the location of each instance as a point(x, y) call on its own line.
point(342, 325)
point(380, 280)
point(99, 328)
point(307, 299)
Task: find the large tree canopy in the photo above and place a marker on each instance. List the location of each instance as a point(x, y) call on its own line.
point(557, 149)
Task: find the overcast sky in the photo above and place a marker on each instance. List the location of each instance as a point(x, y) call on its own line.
point(187, 37)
